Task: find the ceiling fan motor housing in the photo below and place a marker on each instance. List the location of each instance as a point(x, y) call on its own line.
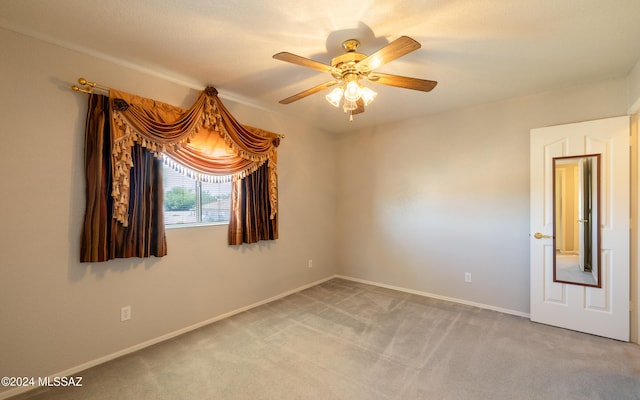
point(346, 63)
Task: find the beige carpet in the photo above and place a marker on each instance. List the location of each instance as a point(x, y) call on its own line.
point(346, 340)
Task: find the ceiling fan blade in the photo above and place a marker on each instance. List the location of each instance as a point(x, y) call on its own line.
point(308, 92)
point(360, 109)
point(304, 62)
point(402, 81)
point(396, 49)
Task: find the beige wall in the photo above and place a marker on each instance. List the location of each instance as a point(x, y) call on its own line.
point(424, 201)
point(56, 313)
point(414, 205)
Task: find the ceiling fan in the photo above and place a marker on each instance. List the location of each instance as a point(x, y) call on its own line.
point(349, 68)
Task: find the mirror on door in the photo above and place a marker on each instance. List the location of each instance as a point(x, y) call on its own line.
point(576, 220)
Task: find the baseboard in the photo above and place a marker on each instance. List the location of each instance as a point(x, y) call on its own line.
point(75, 370)
point(436, 296)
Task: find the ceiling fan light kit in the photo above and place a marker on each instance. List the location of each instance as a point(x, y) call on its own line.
point(349, 93)
point(351, 67)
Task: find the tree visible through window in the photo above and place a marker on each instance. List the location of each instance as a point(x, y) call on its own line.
point(188, 201)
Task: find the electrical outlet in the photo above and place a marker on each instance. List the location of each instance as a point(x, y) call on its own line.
point(125, 313)
point(310, 263)
point(467, 277)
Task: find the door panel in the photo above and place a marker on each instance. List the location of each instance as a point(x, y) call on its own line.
point(601, 311)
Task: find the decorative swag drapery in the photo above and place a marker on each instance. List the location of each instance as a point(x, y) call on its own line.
point(206, 139)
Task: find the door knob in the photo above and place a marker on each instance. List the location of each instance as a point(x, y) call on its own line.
point(539, 235)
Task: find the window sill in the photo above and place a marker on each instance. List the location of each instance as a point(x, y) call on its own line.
point(197, 225)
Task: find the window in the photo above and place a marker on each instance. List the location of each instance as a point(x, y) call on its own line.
point(189, 202)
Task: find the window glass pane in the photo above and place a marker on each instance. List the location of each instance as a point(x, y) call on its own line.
point(216, 201)
point(179, 198)
point(187, 201)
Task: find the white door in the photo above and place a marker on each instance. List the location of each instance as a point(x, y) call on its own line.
point(600, 311)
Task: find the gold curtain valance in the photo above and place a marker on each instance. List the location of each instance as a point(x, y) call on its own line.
point(205, 138)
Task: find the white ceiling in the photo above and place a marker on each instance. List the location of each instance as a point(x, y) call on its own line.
point(478, 50)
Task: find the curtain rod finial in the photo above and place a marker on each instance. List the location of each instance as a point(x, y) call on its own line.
point(211, 91)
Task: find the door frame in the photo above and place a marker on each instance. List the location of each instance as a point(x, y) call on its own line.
point(634, 269)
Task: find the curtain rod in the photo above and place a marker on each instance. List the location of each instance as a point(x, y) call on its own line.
point(87, 87)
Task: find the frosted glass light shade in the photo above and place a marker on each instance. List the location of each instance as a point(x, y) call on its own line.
point(368, 95)
point(335, 96)
point(349, 105)
point(352, 92)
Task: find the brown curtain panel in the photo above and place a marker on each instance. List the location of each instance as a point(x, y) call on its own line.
point(250, 219)
point(103, 237)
